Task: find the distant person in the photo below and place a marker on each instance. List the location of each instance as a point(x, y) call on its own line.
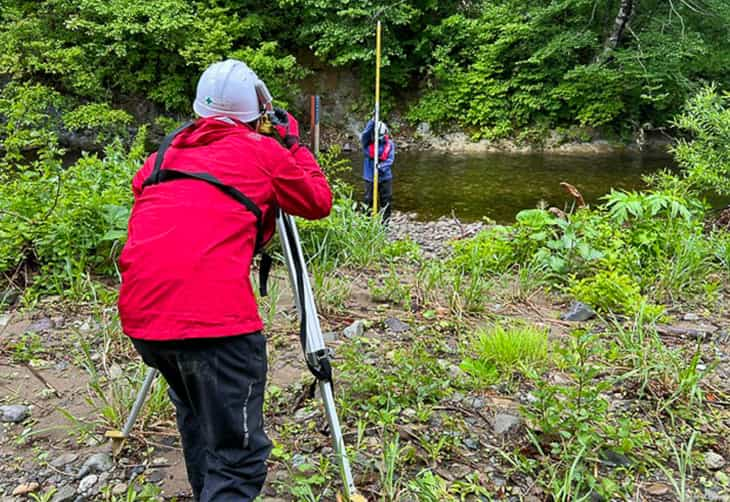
point(386, 156)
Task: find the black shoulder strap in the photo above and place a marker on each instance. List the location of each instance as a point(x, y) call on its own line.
point(160, 175)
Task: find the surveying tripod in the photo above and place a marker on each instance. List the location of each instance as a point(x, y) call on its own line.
point(316, 354)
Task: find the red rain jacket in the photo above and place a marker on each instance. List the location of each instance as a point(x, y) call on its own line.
point(186, 264)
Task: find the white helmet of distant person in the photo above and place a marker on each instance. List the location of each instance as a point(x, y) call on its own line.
point(382, 130)
point(230, 88)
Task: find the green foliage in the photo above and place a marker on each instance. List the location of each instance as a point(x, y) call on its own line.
point(611, 291)
point(705, 156)
point(498, 351)
point(107, 121)
point(510, 65)
point(63, 219)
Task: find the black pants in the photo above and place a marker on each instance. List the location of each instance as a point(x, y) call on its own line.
point(217, 387)
point(385, 197)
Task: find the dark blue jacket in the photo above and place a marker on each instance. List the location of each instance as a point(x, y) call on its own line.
point(384, 166)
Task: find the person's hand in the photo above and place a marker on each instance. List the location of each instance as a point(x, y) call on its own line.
point(287, 127)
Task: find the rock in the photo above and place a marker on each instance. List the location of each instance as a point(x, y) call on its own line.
point(347, 147)
point(354, 330)
point(476, 403)
point(9, 296)
point(26, 488)
point(155, 476)
point(298, 460)
point(4, 320)
point(42, 325)
point(329, 336)
point(657, 489)
point(504, 423)
point(160, 461)
point(14, 413)
point(64, 494)
point(98, 462)
point(577, 312)
point(396, 325)
point(115, 371)
point(423, 129)
point(614, 459)
point(691, 317)
point(303, 414)
point(87, 484)
point(456, 373)
point(471, 443)
point(714, 461)
point(64, 460)
point(119, 489)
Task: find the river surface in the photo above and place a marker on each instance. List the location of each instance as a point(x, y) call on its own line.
point(499, 185)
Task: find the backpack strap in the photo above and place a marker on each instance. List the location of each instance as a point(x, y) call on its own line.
point(160, 175)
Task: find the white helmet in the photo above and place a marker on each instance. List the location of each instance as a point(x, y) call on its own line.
point(232, 89)
point(382, 129)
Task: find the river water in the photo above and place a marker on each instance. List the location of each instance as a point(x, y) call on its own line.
point(499, 185)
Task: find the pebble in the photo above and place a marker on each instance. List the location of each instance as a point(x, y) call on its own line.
point(690, 316)
point(88, 483)
point(472, 444)
point(329, 336)
point(64, 460)
point(64, 494)
point(298, 460)
point(156, 476)
point(4, 320)
point(577, 312)
point(98, 462)
point(119, 489)
point(354, 330)
point(714, 461)
point(26, 488)
point(657, 489)
point(396, 325)
point(14, 413)
point(503, 423)
point(432, 236)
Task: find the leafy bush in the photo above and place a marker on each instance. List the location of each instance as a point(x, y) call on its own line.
point(63, 220)
point(609, 291)
point(705, 156)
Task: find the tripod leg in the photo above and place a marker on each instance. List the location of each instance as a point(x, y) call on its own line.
point(118, 437)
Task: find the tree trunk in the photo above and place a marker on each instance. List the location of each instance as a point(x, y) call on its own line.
point(625, 12)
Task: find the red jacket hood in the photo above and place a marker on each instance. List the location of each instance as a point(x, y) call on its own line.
point(206, 131)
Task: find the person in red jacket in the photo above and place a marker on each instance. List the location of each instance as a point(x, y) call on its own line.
point(186, 299)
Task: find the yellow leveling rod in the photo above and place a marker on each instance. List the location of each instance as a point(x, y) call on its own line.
point(376, 152)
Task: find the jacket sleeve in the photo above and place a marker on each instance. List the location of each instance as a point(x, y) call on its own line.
point(300, 187)
point(142, 175)
point(367, 136)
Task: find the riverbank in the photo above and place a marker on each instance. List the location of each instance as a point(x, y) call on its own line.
point(430, 409)
point(407, 404)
